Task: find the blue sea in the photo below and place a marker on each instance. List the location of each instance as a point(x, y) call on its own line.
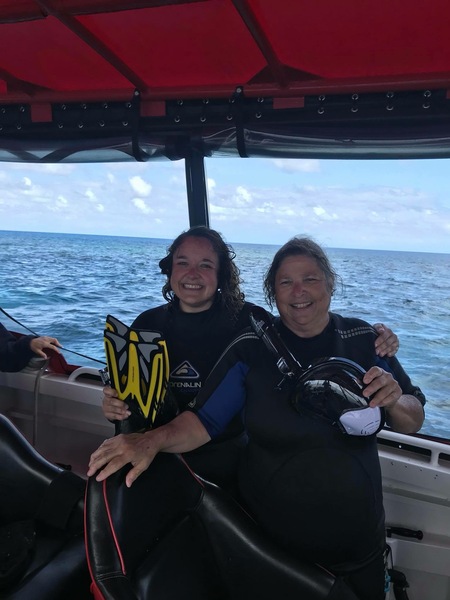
point(64, 285)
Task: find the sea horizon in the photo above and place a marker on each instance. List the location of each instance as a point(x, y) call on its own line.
point(64, 285)
point(169, 240)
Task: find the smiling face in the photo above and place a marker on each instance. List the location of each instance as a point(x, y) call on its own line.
point(302, 295)
point(194, 277)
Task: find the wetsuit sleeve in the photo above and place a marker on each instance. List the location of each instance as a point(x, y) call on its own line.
point(223, 395)
point(15, 353)
point(355, 339)
point(226, 401)
point(403, 379)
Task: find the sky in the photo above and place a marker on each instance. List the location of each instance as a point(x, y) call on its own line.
point(388, 205)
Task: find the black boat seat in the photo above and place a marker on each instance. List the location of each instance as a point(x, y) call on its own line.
point(173, 535)
point(48, 501)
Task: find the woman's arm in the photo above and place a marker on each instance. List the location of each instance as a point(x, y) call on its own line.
point(406, 415)
point(15, 353)
point(387, 342)
point(183, 434)
point(221, 398)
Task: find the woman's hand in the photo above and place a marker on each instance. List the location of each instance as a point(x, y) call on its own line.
point(381, 387)
point(404, 412)
point(113, 408)
point(387, 343)
point(133, 448)
point(182, 434)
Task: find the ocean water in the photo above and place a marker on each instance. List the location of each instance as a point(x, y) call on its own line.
point(64, 285)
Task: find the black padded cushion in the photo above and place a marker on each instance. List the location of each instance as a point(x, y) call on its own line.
point(50, 502)
point(172, 535)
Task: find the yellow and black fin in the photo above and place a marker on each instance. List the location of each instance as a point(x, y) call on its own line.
point(138, 365)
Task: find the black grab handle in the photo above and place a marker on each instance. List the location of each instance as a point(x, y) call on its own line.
point(405, 532)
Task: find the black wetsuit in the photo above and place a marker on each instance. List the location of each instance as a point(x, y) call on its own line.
point(316, 491)
point(195, 342)
point(15, 353)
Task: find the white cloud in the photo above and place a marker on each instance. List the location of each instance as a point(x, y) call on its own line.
point(265, 207)
point(90, 195)
point(319, 211)
point(218, 210)
point(140, 187)
point(61, 202)
point(348, 204)
point(226, 203)
point(242, 197)
point(324, 214)
point(140, 204)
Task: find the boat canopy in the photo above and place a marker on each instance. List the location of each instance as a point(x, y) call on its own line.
point(116, 80)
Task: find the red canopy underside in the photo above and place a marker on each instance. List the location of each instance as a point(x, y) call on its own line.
point(173, 49)
point(69, 51)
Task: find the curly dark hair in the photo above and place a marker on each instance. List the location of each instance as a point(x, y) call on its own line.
point(297, 246)
point(228, 276)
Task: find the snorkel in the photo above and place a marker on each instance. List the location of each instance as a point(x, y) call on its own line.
point(287, 364)
point(330, 389)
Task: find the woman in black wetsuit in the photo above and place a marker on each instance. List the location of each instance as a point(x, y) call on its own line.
point(205, 309)
point(313, 489)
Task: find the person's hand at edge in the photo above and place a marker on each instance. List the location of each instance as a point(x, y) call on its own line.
point(38, 344)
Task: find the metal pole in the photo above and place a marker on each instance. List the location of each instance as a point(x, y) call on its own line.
point(197, 193)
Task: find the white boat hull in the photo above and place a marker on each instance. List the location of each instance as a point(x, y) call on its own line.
point(61, 416)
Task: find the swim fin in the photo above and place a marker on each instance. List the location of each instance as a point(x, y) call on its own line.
point(138, 367)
